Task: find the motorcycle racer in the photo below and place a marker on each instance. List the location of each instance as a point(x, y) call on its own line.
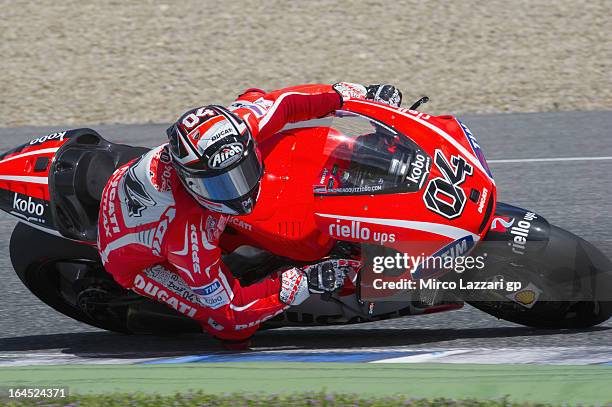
point(162, 215)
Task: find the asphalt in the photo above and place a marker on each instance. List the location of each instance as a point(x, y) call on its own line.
point(575, 195)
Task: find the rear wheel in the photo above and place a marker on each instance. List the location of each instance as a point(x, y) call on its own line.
point(77, 286)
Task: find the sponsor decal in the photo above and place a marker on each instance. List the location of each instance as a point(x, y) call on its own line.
point(323, 176)
point(247, 204)
point(172, 282)
point(452, 250)
point(209, 289)
point(241, 224)
point(213, 229)
point(265, 103)
point(217, 132)
point(222, 133)
point(213, 295)
point(196, 117)
point(257, 110)
point(166, 174)
point(109, 213)
point(483, 200)
point(161, 229)
point(347, 190)
point(160, 171)
point(53, 136)
point(500, 224)
point(475, 147)
point(164, 156)
point(350, 90)
point(137, 198)
point(292, 286)
point(354, 230)
point(215, 325)
point(419, 169)
point(195, 247)
point(457, 248)
point(520, 233)
point(226, 156)
point(162, 295)
point(28, 206)
point(526, 297)
point(416, 113)
point(444, 195)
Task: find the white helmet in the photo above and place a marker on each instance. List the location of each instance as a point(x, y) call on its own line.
point(217, 160)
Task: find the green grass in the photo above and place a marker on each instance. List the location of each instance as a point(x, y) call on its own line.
point(263, 400)
point(521, 383)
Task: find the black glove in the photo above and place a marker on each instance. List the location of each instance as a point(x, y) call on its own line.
point(384, 93)
point(324, 277)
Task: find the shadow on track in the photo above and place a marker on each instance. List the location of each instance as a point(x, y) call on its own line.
point(111, 345)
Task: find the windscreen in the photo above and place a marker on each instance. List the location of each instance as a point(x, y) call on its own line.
point(366, 157)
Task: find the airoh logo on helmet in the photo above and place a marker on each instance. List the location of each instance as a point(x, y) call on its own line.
point(226, 156)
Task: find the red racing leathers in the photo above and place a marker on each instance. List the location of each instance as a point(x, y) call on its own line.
point(157, 241)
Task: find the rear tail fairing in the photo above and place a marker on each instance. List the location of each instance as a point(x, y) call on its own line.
point(77, 177)
point(55, 182)
point(24, 179)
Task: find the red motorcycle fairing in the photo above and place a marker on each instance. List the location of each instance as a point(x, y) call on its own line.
point(314, 192)
point(282, 221)
point(24, 175)
point(54, 182)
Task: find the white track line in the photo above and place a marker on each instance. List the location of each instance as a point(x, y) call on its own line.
point(536, 160)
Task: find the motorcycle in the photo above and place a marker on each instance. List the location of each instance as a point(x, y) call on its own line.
point(367, 184)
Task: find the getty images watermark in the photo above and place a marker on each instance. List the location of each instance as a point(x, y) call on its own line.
point(424, 269)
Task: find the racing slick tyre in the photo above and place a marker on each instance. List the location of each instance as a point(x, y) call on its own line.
point(47, 265)
point(567, 283)
point(69, 277)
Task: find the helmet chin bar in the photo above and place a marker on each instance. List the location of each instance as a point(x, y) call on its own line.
point(214, 206)
point(246, 202)
point(210, 205)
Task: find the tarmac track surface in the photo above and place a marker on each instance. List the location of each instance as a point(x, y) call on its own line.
point(574, 194)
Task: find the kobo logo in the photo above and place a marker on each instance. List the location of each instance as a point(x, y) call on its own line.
point(28, 206)
point(419, 169)
point(53, 136)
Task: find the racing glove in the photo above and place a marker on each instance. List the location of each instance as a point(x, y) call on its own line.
point(384, 93)
point(298, 283)
point(348, 91)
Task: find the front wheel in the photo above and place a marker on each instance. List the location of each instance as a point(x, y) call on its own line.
point(566, 281)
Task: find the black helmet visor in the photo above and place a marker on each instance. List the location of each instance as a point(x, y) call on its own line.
point(232, 184)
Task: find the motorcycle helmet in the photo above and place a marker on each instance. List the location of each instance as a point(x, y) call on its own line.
point(216, 159)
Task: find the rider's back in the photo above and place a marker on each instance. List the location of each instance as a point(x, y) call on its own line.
point(147, 218)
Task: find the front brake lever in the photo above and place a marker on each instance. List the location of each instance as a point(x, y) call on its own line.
point(419, 102)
